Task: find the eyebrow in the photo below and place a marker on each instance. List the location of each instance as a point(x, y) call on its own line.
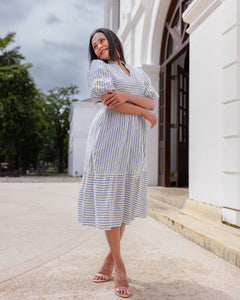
point(98, 40)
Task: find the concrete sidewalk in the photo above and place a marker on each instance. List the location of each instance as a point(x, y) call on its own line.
point(50, 256)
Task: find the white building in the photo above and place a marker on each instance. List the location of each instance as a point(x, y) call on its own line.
point(191, 51)
point(80, 118)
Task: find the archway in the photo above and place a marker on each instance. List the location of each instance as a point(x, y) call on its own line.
point(173, 98)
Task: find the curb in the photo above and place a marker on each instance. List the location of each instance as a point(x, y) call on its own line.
point(220, 239)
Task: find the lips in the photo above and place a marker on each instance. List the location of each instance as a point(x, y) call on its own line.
point(103, 51)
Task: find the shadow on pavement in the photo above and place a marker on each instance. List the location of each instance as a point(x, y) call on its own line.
point(178, 289)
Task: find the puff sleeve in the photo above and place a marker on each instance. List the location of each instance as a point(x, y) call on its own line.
point(149, 91)
point(99, 80)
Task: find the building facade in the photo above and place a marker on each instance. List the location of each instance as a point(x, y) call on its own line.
point(80, 118)
point(191, 51)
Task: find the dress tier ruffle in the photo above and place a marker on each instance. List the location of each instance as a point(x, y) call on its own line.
point(110, 200)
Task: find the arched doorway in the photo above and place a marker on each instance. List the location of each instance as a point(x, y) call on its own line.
point(173, 98)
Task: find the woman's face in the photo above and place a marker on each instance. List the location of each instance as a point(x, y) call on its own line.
point(100, 46)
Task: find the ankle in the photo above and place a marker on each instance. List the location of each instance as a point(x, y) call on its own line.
point(120, 276)
point(108, 262)
point(109, 259)
point(119, 267)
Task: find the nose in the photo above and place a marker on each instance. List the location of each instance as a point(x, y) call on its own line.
point(99, 46)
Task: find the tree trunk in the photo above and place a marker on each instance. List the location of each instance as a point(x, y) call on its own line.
point(61, 156)
point(19, 156)
point(9, 161)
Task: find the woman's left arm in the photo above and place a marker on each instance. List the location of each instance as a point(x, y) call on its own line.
point(114, 98)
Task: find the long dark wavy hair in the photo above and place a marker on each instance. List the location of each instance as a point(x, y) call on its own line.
point(115, 46)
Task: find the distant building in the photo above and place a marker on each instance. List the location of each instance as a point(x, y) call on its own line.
point(80, 118)
point(191, 51)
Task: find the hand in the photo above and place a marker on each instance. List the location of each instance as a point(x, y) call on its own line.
point(151, 117)
point(114, 98)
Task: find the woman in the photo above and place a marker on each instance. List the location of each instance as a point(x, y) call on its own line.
point(113, 189)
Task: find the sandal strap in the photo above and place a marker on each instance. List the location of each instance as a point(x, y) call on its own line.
point(120, 276)
point(104, 275)
point(122, 288)
point(101, 274)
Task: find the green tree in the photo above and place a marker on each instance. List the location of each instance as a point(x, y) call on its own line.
point(57, 108)
point(21, 107)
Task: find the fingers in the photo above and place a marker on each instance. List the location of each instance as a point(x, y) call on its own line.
point(106, 96)
point(153, 122)
point(114, 103)
point(112, 100)
point(109, 101)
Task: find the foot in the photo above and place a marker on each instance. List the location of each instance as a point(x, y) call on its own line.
point(104, 274)
point(121, 287)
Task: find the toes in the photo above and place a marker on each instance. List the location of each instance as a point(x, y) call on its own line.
point(127, 292)
point(123, 291)
point(97, 277)
point(100, 277)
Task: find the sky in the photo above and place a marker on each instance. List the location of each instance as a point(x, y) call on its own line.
point(53, 36)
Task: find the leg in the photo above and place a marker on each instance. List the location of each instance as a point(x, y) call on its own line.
point(105, 272)
point(109, 257)
point(120, 279)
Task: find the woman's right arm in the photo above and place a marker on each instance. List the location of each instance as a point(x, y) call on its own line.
point(129, 108)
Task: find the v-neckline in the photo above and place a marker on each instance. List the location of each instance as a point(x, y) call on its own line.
point(129, 75)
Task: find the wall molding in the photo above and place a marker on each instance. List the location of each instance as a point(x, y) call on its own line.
point(235, 62)
point(231, 101)
point(152, 71)
point(198, 11)
point(231, 173)
point(132, 19)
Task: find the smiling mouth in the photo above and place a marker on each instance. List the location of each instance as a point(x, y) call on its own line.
point(103, 51)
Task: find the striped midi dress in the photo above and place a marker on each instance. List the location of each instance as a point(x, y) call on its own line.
point(113, 188)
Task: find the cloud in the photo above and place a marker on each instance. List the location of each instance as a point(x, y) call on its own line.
point(54, 37)
point(61, 46)
point(13, 13)
point(52, 19)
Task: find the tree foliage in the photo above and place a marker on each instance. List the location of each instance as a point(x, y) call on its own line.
point(21, 105)
point(33, 126)
point(57, 108)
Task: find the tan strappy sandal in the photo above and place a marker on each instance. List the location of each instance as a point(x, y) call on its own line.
point(120, 276)
point(107, 267)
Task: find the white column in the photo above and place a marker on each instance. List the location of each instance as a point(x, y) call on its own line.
point(152, 134)
point(205, 108)
point(111, 14)
point(215, 28)
point(231, 111)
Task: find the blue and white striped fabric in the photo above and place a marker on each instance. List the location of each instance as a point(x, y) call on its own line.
point(113, 189)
